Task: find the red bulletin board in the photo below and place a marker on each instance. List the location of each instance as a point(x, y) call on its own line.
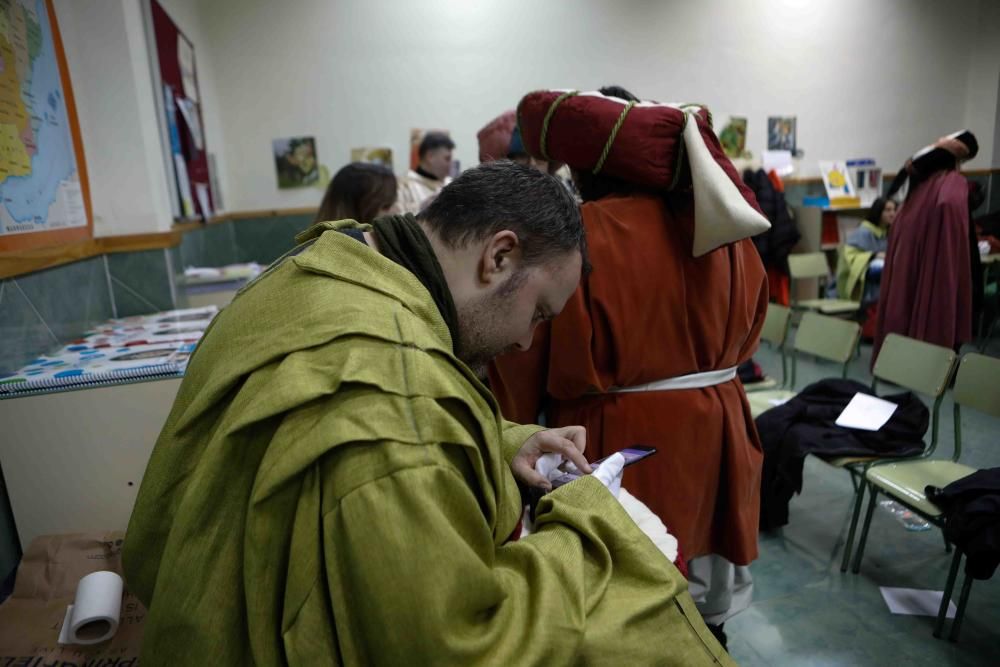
point(167, 33)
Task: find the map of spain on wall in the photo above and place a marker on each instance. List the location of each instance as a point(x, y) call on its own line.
point(42, 179)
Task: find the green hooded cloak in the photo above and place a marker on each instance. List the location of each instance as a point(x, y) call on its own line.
point(332, 486)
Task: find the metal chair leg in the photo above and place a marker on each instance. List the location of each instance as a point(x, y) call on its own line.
point(873, 491)
point(859, 497)
point(963, 599)
point(946, 598)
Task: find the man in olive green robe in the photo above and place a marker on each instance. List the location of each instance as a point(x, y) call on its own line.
point(335, 485)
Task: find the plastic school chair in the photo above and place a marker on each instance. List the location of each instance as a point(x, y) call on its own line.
point(913, 365)
point(807, 265)
point(774, 331)
point(826, 337)
point(976, 387)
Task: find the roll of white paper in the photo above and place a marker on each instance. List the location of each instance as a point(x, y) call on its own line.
point(93, 616)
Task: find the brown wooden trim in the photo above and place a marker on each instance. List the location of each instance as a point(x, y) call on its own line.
point(35, 259)
point(17, 263)
point(253, 215)
point(134, 242)
point(183, 227)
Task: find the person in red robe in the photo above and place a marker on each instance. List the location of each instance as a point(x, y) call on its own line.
point(645, 352)
point(927, 281)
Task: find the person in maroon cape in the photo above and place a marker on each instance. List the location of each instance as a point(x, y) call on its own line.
point(927, 281)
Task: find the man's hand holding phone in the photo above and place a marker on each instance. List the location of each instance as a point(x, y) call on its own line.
point(567, 443)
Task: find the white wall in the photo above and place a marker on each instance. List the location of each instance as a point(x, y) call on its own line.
point(866, 78)
point(982, 104)
point(874, 78)
point(106, 49)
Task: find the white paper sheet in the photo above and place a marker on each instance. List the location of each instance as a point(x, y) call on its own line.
point(183, 185)
point(915, 601)
point(865, 412)
point(189, 110)
point(779, 161)
point(185, 61)
point(202, 193)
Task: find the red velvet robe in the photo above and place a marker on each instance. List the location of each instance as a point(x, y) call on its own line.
point(927, 281)
point(651, 311)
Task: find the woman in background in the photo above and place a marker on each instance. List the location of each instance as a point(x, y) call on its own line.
point(360, 191)
point(859, 266)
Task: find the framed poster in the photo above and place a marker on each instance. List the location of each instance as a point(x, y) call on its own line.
point(295, 162)
point(781, 134)
point(181, 113)
point(44, 194)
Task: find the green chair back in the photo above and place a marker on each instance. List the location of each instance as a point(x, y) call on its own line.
point(807, 265)
point(977, 384)
point(776, 324)
point(775, 331)
point(829, 338)
point(914, 365)
point(920, 367)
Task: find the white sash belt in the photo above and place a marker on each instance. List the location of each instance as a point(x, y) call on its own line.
point(691, 381)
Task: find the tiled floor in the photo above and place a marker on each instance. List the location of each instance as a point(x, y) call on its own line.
point(805, 612)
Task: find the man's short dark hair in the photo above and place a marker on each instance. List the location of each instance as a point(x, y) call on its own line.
point(619, 92)
point(504, 195)
point(433, 140)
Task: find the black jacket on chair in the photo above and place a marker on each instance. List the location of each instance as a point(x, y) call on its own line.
point(972, 519)
point(806, 425)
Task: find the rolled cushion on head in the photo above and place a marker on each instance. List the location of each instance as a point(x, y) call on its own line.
point(647, 144)
point(962, 144)
point(494, 139)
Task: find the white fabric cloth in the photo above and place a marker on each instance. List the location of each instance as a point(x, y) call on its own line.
point(720, 589)
point(721, 214)
point(413, 190)
point(650, 524)
point(609, 473)
point(690, 381)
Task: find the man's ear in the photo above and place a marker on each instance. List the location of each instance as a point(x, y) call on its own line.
point(500, 257)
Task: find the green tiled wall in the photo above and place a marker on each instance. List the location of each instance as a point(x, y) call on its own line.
point(264, 240)
point(38, 311)
point(140, 282)
point(212, 245)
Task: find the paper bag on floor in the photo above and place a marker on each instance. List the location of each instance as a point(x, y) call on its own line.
point(30, 619)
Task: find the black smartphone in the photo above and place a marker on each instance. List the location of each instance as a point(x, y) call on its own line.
point(632, 455)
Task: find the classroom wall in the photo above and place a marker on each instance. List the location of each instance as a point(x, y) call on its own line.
point(982, 104)
point(876, 79)
point(107, 53)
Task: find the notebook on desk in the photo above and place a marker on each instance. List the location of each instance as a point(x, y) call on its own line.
point(133, 349)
